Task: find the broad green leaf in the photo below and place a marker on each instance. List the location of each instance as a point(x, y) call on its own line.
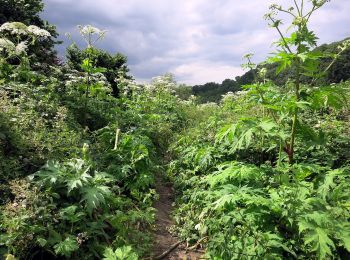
point(320, 242)
point(121, 253)
point(50, 173)
point(66, 247)
point(41, 241)
point(94, 196)
point(267, 125)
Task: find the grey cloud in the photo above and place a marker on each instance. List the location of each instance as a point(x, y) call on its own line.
point(198, 40)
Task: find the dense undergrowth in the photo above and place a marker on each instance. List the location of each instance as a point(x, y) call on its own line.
point(243, 200)
point(77, 164)
point(264, 174)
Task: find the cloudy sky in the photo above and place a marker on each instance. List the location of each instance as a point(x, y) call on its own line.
point(197, 40)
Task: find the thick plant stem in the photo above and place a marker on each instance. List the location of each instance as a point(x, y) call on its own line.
point(117, 132)
point(87, 90)
point(87, 85)
point(292, 142)
point(295, 116)
point(86, 98)
point(280, 154)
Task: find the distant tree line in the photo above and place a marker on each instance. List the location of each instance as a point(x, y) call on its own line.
point(339, 71)
point(212, 92)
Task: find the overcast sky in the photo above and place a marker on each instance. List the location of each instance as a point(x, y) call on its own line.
point(197, 40)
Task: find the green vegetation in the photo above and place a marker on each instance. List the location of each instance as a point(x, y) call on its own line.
point(264, 173)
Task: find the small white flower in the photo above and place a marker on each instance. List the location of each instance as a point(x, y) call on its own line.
point(21, 48)
point(208, 105)
point(6, 45)
point(15, 28)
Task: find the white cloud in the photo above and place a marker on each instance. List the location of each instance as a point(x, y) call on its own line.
point(201, 72)
point(197, 40)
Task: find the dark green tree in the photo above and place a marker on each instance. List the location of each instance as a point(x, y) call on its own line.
point(115, 65)
point(43, 53)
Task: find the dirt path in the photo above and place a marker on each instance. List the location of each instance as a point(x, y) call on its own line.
point(163, 238)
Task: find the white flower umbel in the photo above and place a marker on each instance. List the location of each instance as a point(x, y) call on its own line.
point(208, 105)
point(20, 29)
point(14, 28)
point(76, 78)
point(38, 32)
point(88, 29)
point(21, 48)
point(91, 34)
point(6, 45)
point(165, 83)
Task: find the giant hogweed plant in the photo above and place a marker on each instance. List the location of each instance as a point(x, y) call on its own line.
point(92, 83)
point(91, 35)
point(282, 109)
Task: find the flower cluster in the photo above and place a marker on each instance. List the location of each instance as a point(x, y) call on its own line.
point(88, 29)
point(208, 105)
point(192, 100)
point(20, 29)
point(126, 85)
point(6, 45)
point(99, 78)
point(38, 32)
point(231, 96)
point(165, 83)
point(76, 78)
point(21, 48)
point(91, 34)
point(14, 28)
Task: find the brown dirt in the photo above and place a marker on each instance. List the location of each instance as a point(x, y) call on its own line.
point(163, 238)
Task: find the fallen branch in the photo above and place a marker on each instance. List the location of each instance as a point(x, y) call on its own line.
point(165, 253)
point(197, 244)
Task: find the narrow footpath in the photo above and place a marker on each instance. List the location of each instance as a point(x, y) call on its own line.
point(167, 246)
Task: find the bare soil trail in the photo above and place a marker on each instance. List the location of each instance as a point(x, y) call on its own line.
point(165, 242)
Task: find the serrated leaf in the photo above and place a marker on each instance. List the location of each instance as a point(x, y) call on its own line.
point(320, 242)
point(343, 234)
point(94, 196)
point(122, 253)
point(66, 247)
point(50, 172)
point(267, 125)
point(41, 241)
